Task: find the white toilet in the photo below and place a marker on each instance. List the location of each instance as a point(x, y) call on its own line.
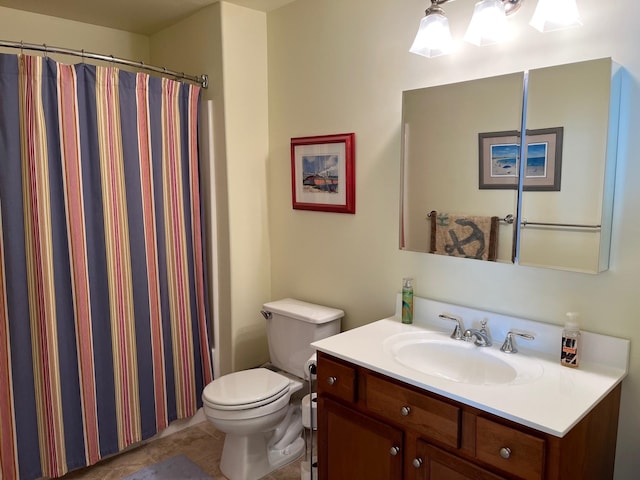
point(263, 431)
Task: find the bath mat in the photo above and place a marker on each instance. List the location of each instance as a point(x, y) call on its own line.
point(174, 468)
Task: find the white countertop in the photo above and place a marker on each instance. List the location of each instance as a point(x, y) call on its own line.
point(553, 402)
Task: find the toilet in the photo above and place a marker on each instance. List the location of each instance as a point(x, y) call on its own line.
point(253, 408)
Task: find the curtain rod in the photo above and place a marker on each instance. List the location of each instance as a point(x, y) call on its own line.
point(202, 80)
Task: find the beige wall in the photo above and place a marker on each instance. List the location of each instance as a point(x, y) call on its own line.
point(194, 45)
point(228, 42)
point(244, 54)
point(17, 25)
point(340, 66)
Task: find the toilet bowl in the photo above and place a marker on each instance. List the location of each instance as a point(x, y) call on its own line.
point(253, 407)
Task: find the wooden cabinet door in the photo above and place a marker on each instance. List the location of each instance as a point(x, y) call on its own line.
point(353, 446)
point(440, 465)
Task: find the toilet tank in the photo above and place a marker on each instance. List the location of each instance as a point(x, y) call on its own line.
point(292, 325)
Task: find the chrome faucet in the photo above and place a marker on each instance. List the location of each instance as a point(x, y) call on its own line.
point(457, 331)
point(479, 337)
point(509, 345)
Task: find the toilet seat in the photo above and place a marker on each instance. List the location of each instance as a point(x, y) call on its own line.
point(245, 389)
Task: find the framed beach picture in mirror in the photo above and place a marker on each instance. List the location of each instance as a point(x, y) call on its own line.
point(498, 159)
point(499, 155)
point(323, 173)
point(543, 166)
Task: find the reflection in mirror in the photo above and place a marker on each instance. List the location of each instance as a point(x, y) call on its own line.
point(575, 218)
point(460, 147)
point(442, 166)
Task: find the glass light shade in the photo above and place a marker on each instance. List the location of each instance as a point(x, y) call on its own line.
point(488, 24)
point(555, 15)
point(433, 37)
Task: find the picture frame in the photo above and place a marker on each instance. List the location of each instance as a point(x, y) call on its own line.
point(499, 155)
point(323, 173)
point(498, 159)
point(543, 168)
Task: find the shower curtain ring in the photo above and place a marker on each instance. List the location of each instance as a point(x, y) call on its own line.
point(46, 50)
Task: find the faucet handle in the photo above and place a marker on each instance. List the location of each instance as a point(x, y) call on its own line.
point(483, 327)
point(459, 328)
point(509, 345)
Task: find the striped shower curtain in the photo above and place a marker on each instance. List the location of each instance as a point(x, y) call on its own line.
point(103, 320)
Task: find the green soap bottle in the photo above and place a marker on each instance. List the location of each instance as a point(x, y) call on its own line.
point(407, 300)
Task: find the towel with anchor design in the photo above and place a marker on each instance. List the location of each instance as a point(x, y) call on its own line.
point(468, 236)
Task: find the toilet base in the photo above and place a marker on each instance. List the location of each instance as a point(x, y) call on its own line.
point(280, 458)
point(243, 457)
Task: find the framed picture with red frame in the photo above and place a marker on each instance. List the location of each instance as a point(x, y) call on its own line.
point(323, 173)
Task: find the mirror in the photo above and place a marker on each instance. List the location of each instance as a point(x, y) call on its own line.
point(461, 156)
point(440, 152)
point(583, 98)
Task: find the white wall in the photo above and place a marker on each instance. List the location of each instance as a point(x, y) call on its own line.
point(340, 66)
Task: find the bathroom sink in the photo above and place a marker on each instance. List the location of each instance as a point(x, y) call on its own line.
point(439, 355)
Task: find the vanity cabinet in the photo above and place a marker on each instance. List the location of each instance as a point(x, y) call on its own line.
point(361, 446)
point(371, 426)
point(437, 464)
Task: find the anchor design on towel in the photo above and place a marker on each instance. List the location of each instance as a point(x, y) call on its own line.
point(476, 235)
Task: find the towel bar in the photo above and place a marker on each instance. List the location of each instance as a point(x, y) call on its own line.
point(510, 219)
point(524, 223)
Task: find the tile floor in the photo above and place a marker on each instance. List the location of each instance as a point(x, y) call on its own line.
point(201, 443)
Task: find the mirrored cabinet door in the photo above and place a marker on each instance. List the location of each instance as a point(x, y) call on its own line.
point(441, 158)
point(569, 226)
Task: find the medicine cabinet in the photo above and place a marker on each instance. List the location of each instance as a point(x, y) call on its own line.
point(453, 139)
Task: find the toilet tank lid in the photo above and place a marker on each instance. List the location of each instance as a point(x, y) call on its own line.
point(307, 312)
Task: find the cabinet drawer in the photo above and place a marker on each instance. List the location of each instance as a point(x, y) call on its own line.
point(432, 418)
point(510, 450)
point(337, 379)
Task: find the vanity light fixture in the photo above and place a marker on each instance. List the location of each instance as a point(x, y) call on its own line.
point(489, 23)
point(434, 37)
point(555, 15)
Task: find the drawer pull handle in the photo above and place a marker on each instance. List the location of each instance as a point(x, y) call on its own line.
point(505, 452)
point(405, 411)
point(394, 451)
point(417, 462)
point(332, 380)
